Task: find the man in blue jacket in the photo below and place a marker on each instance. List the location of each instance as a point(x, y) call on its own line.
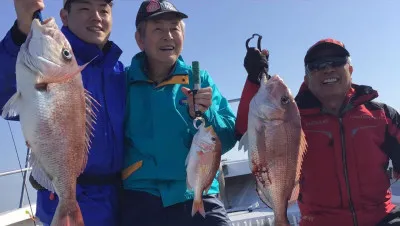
point(87, 26)
point(159, 125)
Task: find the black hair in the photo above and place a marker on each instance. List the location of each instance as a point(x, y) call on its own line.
point(67, 5)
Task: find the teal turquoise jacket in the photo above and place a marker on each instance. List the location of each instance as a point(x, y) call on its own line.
point(159, 130)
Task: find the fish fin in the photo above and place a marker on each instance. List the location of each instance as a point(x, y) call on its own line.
point(59, 75)
point(265, 198)
point(11, 108)
point(207, 189)
point(68, 213)
point(303, 148)
point(39, 174)
point(90, 120)
point(244, 142)
point(302, 151)
point(187, 159)
point(295, 194)
point(198, 206)
point(190, 153)
point(188, 186)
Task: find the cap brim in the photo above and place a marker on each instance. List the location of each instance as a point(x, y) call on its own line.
point(178, 14)
point(315, 52)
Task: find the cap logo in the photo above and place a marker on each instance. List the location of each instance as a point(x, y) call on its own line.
point(153, 6)
point(168, 6)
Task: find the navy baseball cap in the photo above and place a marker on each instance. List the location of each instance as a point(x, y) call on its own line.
point(152, 8)
point(325, 44)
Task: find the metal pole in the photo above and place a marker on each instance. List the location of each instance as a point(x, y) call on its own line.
point(21, 198)
point(14, 172)
point(234, 100)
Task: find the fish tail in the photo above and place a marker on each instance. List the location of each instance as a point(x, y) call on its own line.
point(280, 216)
point(68, 213)
point(279, 222)
point(198, 205)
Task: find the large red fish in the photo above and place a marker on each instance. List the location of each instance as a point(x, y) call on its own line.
point(55, 113)
point(276, 144)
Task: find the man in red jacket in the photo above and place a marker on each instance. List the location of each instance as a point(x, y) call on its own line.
point(350, 139)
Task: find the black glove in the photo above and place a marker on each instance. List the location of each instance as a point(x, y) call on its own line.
point(256, 61)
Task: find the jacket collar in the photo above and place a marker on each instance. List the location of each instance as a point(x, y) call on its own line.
point(139, 68)
point(357, 95)
point(86, 52)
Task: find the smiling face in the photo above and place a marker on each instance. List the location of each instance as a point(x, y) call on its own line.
point(329, 76)
point(162, 39)
point(90, 20)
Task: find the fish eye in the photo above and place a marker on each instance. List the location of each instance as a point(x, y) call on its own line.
point(213, 139)
point(284, 100)
point(66, 54)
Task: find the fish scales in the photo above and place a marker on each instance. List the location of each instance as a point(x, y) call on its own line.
point(276, 145)
point(56, 115)
point(202, 164)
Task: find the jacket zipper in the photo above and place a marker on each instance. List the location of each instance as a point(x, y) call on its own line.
point(346, 176)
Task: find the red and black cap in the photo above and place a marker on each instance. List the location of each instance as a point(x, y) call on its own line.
point(152, 8)
point(336, 47)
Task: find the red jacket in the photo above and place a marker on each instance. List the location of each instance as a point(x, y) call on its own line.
point(344, 179)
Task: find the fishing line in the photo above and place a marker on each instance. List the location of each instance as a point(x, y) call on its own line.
point(20, 167)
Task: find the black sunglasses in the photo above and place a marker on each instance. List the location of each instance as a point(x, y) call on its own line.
point(324, 62)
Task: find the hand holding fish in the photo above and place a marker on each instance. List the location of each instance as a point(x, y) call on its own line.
point(202, 99)
point(25, 10)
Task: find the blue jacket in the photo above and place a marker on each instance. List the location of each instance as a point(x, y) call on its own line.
point(159, 130)
point(105, 79)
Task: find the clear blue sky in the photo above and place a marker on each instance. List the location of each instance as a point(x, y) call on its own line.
point(216, 34)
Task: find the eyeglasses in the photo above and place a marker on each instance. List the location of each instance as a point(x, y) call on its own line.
point(325, 62)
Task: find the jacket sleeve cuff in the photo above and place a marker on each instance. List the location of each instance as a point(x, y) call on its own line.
point(248, 92)
point(221, 127)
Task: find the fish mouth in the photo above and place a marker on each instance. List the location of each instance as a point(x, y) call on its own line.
point(48, 23)
point(47, 27)
point(275, 78)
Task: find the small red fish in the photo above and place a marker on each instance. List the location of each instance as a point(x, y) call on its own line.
point(202, 164)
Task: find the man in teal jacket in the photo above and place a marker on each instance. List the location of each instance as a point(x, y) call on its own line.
point(159, 125)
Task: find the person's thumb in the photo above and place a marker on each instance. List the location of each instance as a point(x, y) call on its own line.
point(186, 91)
